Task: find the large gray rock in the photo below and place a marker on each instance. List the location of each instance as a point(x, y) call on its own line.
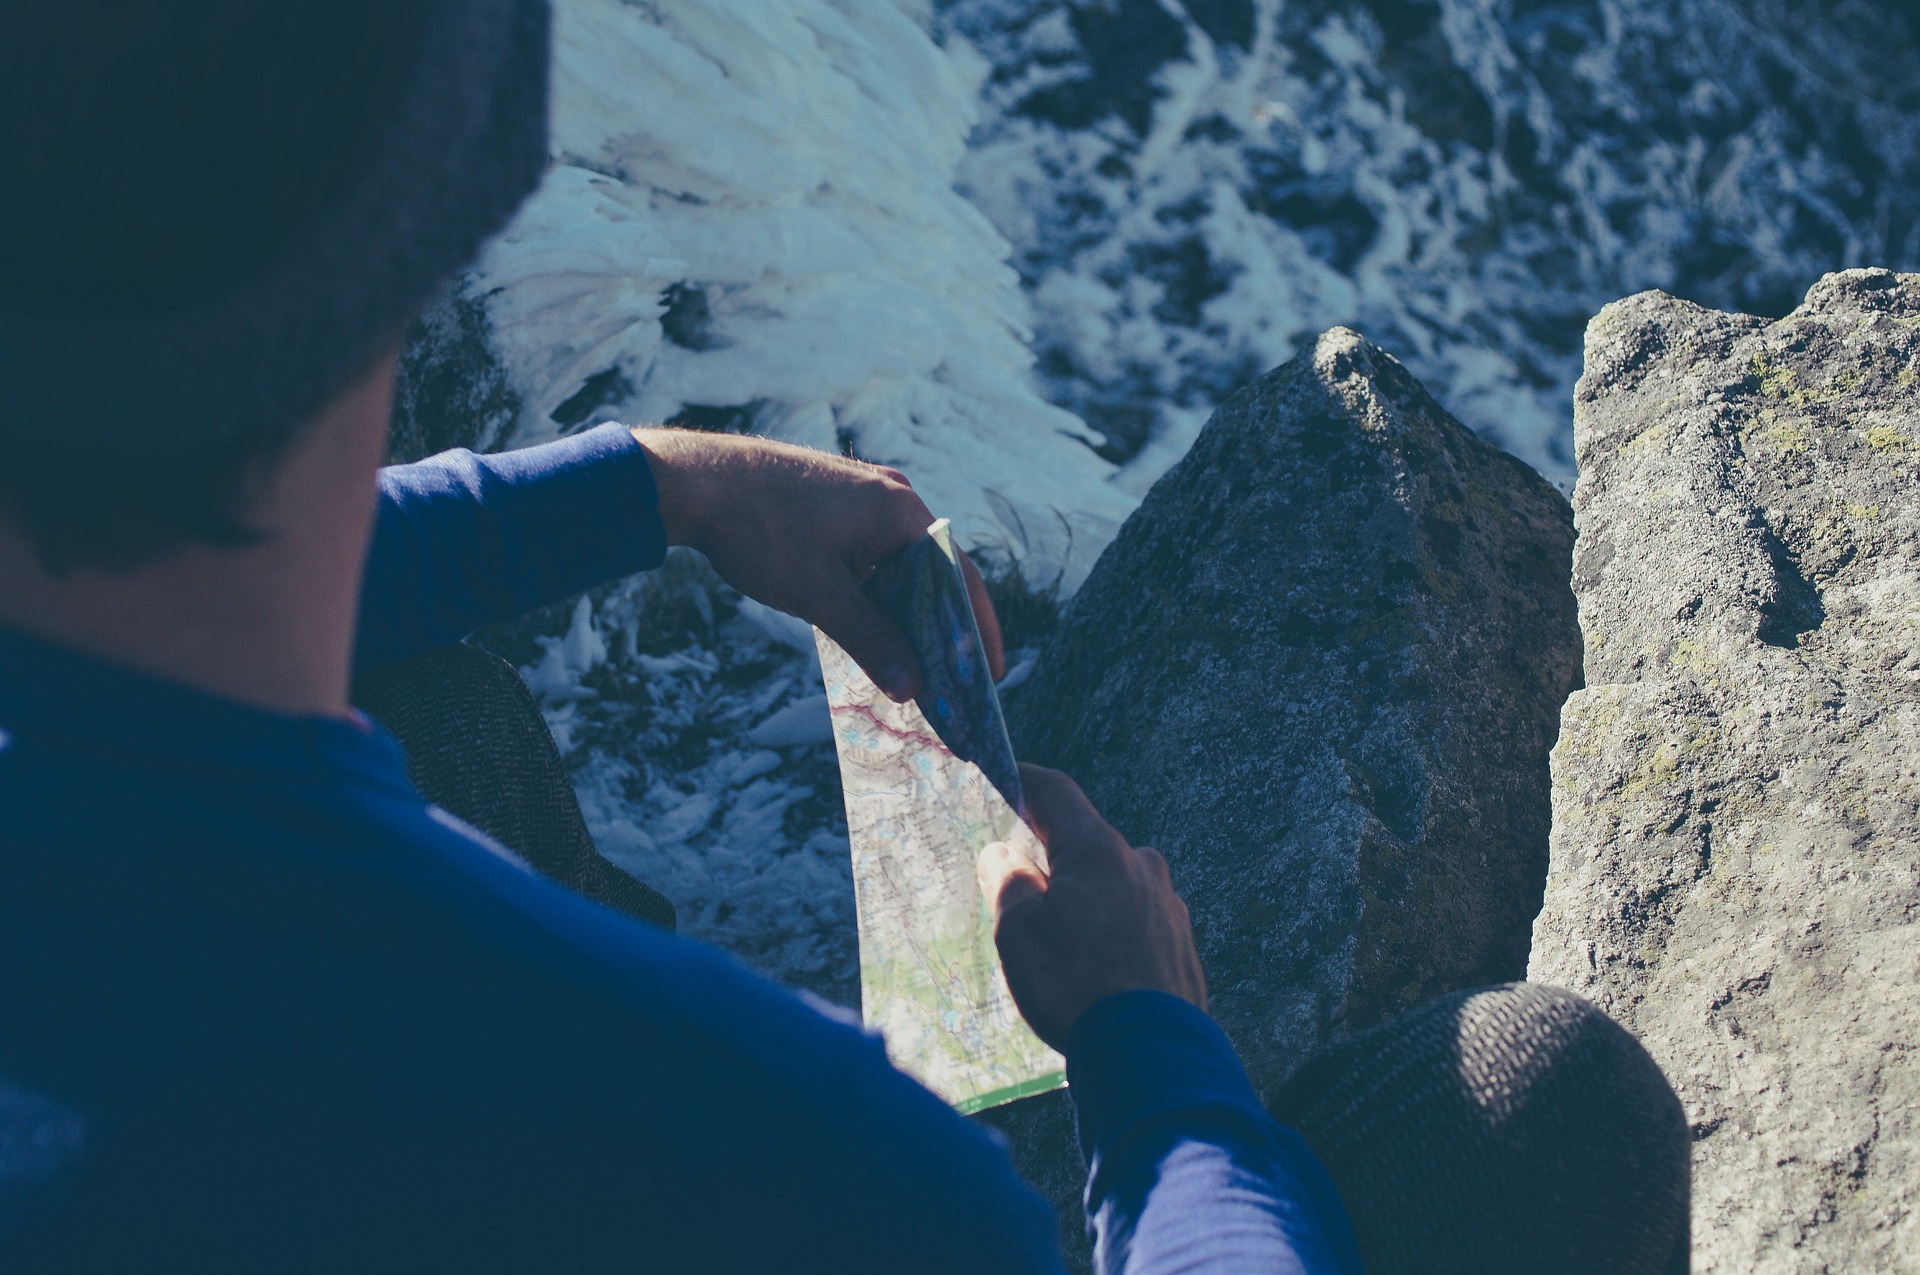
point(1320, 670)
point(1736, 838)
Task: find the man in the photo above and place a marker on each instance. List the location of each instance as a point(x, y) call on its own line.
point(262, 1006)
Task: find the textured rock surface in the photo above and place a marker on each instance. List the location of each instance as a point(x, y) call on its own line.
point(1320, 670)
point(1736, 839)
point(451, 390)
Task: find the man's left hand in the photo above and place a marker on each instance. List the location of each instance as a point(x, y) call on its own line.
point(800, 530)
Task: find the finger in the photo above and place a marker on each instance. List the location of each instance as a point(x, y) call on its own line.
point(863, 630)
point(1007, 878)
point(1075, 834)
point(985, 617)
point(892, 518)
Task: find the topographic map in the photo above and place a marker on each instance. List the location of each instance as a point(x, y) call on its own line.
point(928, 785)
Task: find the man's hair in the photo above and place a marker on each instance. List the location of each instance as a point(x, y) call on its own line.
point(156, 155)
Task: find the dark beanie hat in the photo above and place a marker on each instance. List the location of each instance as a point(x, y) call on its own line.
point(465, 145)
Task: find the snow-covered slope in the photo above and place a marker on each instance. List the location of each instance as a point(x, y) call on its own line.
point(1196, 186)
point(751, 219)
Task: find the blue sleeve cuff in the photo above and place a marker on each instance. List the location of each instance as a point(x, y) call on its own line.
point(1140, 1056)
point(1183, 1158)
point(461, 540)
point(583, 510)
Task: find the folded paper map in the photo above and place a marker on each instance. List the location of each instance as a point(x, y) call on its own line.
point(928, 785)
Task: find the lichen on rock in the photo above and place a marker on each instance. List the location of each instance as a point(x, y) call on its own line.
point(1736, 838)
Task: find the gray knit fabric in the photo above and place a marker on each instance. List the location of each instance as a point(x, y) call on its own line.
point(478, 748)
point(467, 144)
point(1512, 1129)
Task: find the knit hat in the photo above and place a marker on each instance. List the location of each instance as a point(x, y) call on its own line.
point(466, 144)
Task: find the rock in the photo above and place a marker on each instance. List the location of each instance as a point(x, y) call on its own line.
point(452, 389)
point(1736, 795)
point(1320, 670)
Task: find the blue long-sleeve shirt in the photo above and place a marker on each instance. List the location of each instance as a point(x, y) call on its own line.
point(261, 1007)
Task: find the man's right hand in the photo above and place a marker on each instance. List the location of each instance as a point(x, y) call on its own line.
point(1105, 921)
point(800, 530)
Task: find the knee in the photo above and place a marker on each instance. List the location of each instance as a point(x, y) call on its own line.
point(1512, 1127)
point(1528, 1049)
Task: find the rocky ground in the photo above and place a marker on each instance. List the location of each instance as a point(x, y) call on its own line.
point(1320, 670)
point(1736, 799)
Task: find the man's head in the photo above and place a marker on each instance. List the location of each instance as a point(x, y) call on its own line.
point(218, 214)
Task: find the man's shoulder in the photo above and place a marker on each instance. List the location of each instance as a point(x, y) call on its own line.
point(350, 976)
point(360, 935)
point(352, 903)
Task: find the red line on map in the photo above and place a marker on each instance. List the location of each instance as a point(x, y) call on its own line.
point(912, 736)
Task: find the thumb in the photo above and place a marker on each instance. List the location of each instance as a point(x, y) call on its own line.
point(1074, 833)
point(849, 617)
point(1008, 879)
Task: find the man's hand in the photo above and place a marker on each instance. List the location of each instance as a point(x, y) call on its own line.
point(1106, 921)
point(799, 530)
